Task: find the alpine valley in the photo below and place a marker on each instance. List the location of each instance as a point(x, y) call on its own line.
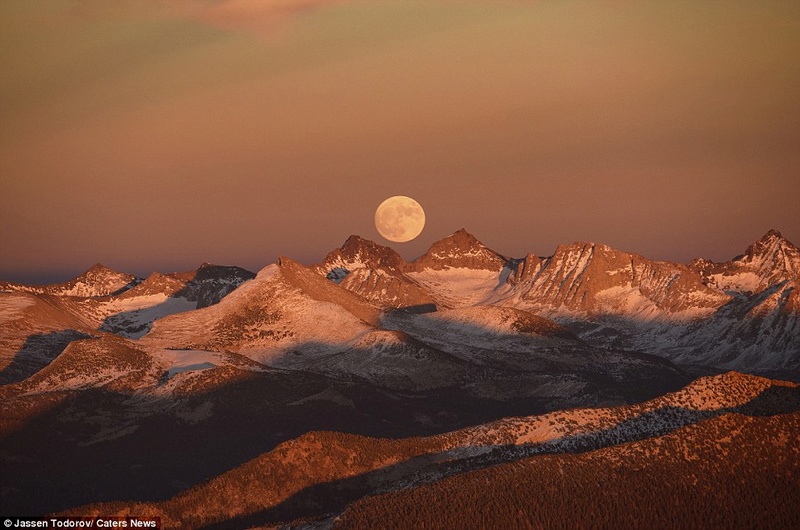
point(465, 389)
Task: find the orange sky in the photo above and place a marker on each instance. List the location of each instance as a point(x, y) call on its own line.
point(155, 134)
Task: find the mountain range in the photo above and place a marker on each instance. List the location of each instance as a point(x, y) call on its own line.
point(356, 387)
point(741, 314)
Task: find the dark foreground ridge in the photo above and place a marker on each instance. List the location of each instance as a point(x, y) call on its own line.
point(724, 438)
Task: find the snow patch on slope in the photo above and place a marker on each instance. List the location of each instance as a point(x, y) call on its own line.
point(12, 306)
point(458, 286)
point(180, 361)
point(626, 300)
point(742, 282)
point(133, 317)
point(268, 319)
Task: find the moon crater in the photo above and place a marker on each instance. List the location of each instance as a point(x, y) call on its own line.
point(399, 219)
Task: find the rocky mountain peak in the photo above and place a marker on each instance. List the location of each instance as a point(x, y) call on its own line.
point(772, 245)
point(771, 260)
point(225, 273)
point(772, 234)
point(459, 250)
point(157, 283)
point(356, 248)
point(599, 280)
point(374, 272)
point(359, 253)
point(98, 271)
point(463, 238)
point(97, 280)
point(99, 268)
point(524, 268)
point(586, 246)
point(356, 242)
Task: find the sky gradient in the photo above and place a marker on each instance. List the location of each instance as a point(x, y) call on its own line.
point(155, 135)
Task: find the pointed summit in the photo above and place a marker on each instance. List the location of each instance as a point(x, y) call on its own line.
point(772, 233)
point(771, 260)
point(356, 248)
point(157, 283)
point(97, 280)
point(374, 272)
point(459, 250)
point(359, 253)
point(769, 243)
point(99, 268)
point(461, 235)
point(356, 241)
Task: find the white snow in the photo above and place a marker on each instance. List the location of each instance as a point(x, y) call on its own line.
point(470, 253)
point(75, 379)
point(179, 361)
point(351, 264)
point(459, 286)
point(264, 319)
point(12, 305)
point(741, 282)
point(627, 300)
point(480, 334)
point(137, 312)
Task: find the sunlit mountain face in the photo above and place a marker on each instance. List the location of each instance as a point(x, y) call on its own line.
point(463, 388)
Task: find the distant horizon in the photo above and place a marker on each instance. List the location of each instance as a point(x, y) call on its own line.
point(65, 275)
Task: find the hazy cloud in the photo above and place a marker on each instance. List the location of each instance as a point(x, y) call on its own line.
point(251, 15)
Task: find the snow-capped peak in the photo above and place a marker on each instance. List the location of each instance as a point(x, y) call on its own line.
point(771, 260)
point(359, 253)
point(459, 250)
point(96, 281)
point(774, 249)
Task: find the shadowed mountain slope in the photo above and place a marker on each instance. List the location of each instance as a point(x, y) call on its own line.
point(747, 421)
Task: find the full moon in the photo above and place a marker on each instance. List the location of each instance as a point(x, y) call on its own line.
point(399, 219)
